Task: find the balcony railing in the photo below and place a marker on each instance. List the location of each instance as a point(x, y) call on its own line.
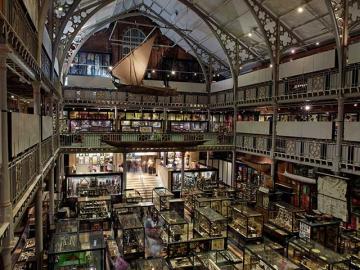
point(254, 144)
point(305, 150)
point(87, 139)
point(46, 150)
point(22, 173)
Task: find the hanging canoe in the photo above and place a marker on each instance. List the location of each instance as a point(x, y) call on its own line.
point(128, 74)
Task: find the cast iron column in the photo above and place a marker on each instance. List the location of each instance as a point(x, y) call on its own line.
point(51, 196)
point(182, 170)
point(39, 227)
point(5, 199)
point(124, 184)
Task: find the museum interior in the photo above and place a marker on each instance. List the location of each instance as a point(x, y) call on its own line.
point(180, 134)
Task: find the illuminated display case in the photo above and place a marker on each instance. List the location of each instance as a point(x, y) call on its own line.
point(130, 236)
point(350, 242)
point(209, 223)
point(326, 232)
point(94, 213)
point(151, 264)
point(161, 197)
point(192, 178)
point(219, 204)
point(132, 196)
point(175, 228)
point(141, 209)
point(286, 217)
point(77, 251)
point(245, 222)
point(313, 256)
point(263, 256)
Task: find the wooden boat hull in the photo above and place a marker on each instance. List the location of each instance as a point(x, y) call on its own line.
point(146, 90)
point(155, 144)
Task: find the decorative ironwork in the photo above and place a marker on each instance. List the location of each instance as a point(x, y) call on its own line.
point(268, 24)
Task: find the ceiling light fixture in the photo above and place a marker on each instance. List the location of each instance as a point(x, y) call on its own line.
point(153, 71)
point(300, 10)
point(307, 107)
point(249, 34)
point(317, 43)
point(293, 51)
point(271, 65)
point(173, 72)
point(355, 105)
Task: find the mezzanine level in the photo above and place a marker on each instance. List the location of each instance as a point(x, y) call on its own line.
point(94, 141)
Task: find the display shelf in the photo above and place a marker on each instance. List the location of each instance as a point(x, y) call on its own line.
point(175, 228)
point(245, 222)
point(130, 236)
point(209, 223)
point(94, 213)
point(325, 231)
point(161, 197)
point(219, 204)
point(313, 256)
point(286, 217)
point(77, 250)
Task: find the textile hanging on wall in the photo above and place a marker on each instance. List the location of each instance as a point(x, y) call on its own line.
point(332, 198)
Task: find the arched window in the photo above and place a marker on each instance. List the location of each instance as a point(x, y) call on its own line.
point(132, 37)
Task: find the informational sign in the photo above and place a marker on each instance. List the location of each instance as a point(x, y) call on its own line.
point(332, 199)
point(305, 230)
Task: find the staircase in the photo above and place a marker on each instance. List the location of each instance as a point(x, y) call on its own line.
point(144, 183)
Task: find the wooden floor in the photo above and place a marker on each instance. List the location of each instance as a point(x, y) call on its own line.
point(143, 182)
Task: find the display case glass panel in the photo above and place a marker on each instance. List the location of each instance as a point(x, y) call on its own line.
point(67, 226)
point(130, 235)
point(151, 264)
point(313, 256)
point(245, 221)
point(326, 232)
point(219, 204)
point(208, 222)
point(350, 242)
point(132, 196)
point(286, 217)
point(161, 197)
point(175, 228)
point(77, 251)
point(94, 213)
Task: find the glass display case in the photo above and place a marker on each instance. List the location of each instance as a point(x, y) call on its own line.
point(132, 196)
point(262, 256)
point(326, 231)
point(175, 228)
point(286, 217)
point(245, 222)
point(190, 197)
point(313, 256)
point(161, 197)
point(67, 226)
point(225, 259)
point(93, 185)
point(219, 204)
point(130, 236)
point(209, 223)
point(94, 213)
point(112, 251)
point(350, 242)
point(77, 251)
point(141, 209)
point(151, 264)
